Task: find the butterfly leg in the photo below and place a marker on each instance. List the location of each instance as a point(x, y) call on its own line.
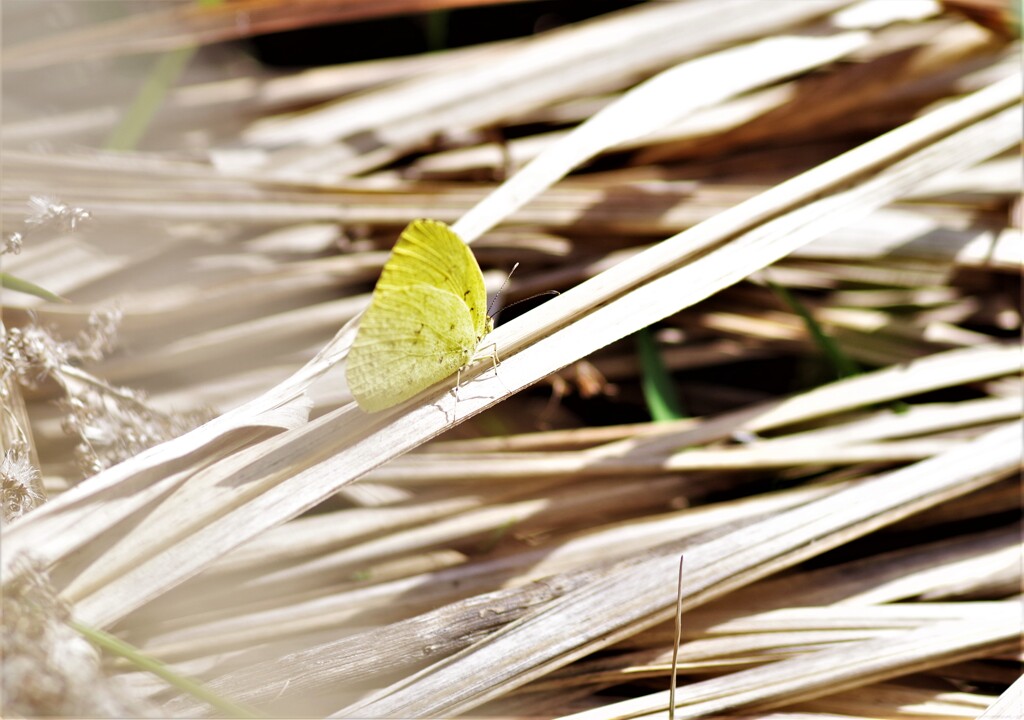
point(495, 362)
point(455, 390)
point(493, 355)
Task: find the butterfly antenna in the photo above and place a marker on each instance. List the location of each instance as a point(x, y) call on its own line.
point(498, 294)
point(532, 297)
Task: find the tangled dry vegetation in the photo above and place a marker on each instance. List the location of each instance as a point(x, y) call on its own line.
point(787, 240)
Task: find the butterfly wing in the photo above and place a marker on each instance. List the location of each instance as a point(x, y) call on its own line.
point(429, 253)
point(409, 338)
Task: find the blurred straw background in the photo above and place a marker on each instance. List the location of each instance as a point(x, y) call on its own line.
point(786, 236)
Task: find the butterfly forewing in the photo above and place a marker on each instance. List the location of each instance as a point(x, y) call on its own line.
point(428, 252)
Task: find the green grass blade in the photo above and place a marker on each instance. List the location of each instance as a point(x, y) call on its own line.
point(150, 98)
point(659, 390)
point(842, 364)
point(116, 646)
point(9, 282)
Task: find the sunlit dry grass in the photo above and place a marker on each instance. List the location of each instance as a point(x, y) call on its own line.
point(786, 238)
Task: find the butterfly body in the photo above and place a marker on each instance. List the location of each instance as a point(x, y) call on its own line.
point(426, 318)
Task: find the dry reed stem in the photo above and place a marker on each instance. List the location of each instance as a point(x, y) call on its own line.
point(831, 670)
point(580, 622)
point(188, 25)
point(546, 557)
point(373, 129)
point(582, 338)
point(1009, 704)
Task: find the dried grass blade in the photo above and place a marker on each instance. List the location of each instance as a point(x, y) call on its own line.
point(65, 525)
point(265, 498)
point(654, 104)
point(641, 596)
point(204, 23)
point(827, 671)
point(611, 49)
point(1010, 704)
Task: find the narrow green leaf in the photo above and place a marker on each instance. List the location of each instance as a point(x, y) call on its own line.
point(842, 364)
point(659, 390)
point(437, 30)
point(150, 98)
point(116, 646)
point(9, 282)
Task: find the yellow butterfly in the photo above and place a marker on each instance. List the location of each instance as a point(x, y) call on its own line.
point(426, 318)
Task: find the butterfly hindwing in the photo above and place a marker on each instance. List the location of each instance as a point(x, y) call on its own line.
point(409, 338)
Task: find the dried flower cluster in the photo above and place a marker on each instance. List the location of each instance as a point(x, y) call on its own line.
point(34, 353)
point(111, 423)
point(12, 243)
point(740, 203)
point(115, 423)
point(19, 479)
point(44, 212)
point(48, 668)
